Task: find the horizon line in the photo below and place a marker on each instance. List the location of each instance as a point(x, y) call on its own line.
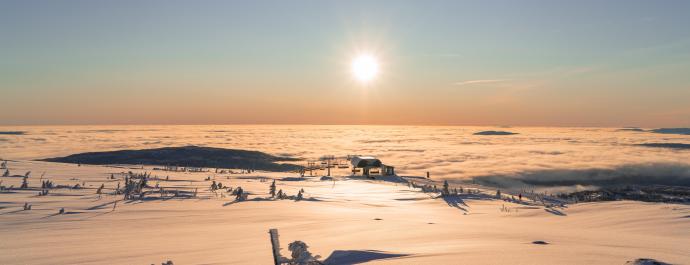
point(334, 124)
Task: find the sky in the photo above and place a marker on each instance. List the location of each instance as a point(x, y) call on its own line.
point(518, 63)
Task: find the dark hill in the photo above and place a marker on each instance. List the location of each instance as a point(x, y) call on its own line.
point(667, 145)
point(187, 156)
point(494, 133)
point(681, 131)
point(12, 132)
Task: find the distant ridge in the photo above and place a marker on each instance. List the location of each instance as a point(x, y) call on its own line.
point(494, 133)
point(632, 129)
point(12, 132)
point(187, 156)
point(667, 145)
point(681, 131)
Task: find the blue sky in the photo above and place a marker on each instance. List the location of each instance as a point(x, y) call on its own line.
point(565, 63)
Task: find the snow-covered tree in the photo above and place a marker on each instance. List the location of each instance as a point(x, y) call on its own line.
point(239, 192)
point(301, 255)
point(25, 182)
point(299, 195)
point(272, 189)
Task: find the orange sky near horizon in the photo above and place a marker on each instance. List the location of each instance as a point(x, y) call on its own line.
point(439, 63)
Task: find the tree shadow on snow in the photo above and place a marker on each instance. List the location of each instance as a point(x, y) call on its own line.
point(259, 199)
point(65, 213)
point(458, 201)
point(358, 256)
point(455, 201)
point(554, 211)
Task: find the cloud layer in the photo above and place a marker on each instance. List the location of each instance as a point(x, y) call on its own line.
point(534, 156)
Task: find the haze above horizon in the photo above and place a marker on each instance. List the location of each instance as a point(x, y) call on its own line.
point(527, 63)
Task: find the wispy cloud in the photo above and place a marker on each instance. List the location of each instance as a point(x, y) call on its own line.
point(449, 55)
point(480, 81)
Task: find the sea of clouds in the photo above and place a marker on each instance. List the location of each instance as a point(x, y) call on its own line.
point(549, 157)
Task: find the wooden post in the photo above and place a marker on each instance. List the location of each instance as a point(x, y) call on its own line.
point(275, 244)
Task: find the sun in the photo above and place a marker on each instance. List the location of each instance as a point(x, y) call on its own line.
point(365, 67)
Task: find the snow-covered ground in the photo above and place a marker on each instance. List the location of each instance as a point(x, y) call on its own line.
point(344, 221)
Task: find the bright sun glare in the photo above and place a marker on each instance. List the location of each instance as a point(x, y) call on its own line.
point(365, 67)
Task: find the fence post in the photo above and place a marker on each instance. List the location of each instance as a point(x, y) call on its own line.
point(275, 244)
